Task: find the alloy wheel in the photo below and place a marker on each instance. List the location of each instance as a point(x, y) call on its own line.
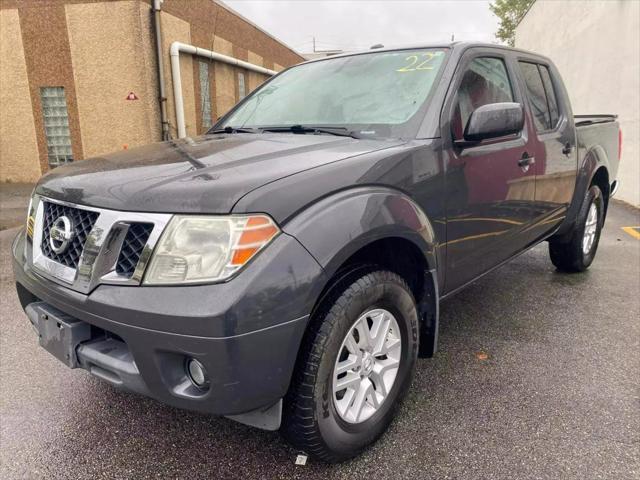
point(590, 229)
point(367, 365)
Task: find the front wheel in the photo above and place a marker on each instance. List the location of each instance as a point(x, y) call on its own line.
point(355, 365)
point(576, 253)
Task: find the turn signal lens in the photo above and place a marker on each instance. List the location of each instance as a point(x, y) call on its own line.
point(31, 218)
point(257, 232)
point(243, 255)
point(200, 249)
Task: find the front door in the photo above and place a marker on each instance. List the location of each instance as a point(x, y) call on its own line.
point(490, 186)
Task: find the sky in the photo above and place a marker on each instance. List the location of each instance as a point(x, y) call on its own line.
point(358, 24)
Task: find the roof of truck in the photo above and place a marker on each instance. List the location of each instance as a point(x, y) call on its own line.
point(450, 45)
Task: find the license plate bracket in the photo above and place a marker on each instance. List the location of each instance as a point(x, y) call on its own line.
point(58, 333)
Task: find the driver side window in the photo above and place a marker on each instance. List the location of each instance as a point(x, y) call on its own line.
point(485, 81)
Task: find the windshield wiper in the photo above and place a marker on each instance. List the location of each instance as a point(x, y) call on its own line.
point(339, 131)
point(233, 130)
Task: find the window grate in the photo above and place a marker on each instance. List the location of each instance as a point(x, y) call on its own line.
point(205, 95)
point(56, 125)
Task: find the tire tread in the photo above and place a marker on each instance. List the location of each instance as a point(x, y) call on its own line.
point(299, 426)
point(566, 254)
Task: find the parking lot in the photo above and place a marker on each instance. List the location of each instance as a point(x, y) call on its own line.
point(537, 377)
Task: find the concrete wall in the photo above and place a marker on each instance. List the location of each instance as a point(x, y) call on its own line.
point(19, 161)
point(174, 29)
point(226, 83)
point(255, 79)
point(48, 59)
point(108, 57)
point(99, 52)
point(596, 47)
point(213, 26)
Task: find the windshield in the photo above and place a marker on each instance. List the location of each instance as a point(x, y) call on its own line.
point(371, 94)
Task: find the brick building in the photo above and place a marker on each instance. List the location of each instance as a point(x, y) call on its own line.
point(80, 78)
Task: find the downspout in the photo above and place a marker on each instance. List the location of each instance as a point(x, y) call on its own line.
point(179, 47)
point(162, 96)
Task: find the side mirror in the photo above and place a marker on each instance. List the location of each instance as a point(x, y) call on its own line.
point(494, 120)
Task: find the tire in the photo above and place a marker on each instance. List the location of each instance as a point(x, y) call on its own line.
point(574, 253)
point(311, 420)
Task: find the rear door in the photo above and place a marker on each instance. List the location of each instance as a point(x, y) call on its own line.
point(490, 192)
point(554, 143)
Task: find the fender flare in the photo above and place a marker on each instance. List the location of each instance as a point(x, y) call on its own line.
point(337, 226)
point(593, 159)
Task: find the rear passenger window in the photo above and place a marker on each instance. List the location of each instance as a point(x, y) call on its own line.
point(552, 100)
point(537, 97)
point(485, 81)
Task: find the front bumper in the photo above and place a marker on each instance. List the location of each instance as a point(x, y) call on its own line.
point(246, 332)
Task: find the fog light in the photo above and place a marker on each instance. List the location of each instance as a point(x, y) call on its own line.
point(197, 372)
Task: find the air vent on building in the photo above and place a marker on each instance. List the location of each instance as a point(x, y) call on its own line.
point(56, 125)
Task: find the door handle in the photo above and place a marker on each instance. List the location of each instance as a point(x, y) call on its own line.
point(568, 148)
point(526, 161)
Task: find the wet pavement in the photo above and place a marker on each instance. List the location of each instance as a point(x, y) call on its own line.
point(14, 198)
point(538, 376)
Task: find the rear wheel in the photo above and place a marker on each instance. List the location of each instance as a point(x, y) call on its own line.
point(355, 365)
point(576, 252)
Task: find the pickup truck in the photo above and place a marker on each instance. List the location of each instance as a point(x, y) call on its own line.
point(285, 268)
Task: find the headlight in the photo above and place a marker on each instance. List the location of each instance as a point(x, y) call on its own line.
point(199, 249)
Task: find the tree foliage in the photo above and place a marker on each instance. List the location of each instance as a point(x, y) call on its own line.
point(510, 12)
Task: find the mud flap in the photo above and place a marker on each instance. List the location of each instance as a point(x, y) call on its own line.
point(268, 418)
point(429, 311)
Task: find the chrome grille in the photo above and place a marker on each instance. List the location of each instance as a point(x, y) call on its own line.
point(106, 247)
point(132, 248)
point(82, 221)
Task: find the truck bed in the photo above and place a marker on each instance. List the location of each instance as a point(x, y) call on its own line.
point(599, 131)
point(582, 120)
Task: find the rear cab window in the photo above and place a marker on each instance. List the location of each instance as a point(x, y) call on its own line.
point(551, 95)
point(542, 98)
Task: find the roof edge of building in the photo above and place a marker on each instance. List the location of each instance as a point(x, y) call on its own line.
point(239, 15)
point(525, 13)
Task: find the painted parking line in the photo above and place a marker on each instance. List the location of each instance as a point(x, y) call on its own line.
point(633, 231)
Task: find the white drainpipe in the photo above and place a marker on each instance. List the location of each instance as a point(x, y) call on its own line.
point(176, 49)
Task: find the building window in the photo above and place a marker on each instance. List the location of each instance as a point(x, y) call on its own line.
point(242, 91)
point(56, 125)
point(205, 95)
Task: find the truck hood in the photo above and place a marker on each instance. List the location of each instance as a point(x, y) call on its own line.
point(207, 174)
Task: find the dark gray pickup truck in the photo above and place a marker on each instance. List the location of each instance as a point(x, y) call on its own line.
point(285, 269)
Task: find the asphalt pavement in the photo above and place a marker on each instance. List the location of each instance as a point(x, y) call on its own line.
point(14, 198)
point(537, 376)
